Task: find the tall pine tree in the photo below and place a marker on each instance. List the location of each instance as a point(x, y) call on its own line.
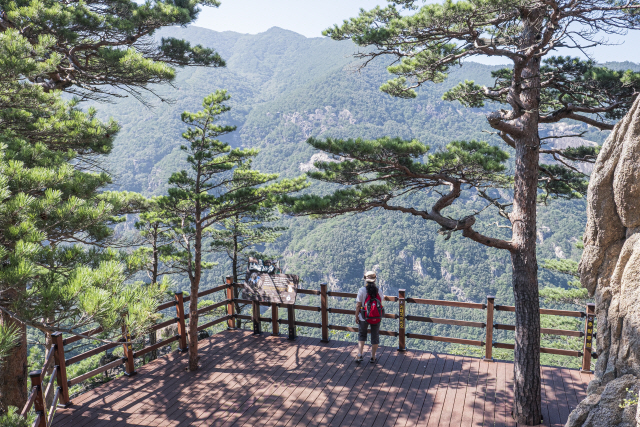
point(423, 43)
point(216, 187)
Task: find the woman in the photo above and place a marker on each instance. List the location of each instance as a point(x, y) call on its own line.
point(369, 291)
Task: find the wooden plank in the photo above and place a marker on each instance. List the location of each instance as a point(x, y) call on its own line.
point(547, 350)
point(163, 324)
point(233, 378)
point(490, 395)
point(307, 307)
point(111, 392)
point(308, 292)
point(509, 399)
point(426, 392)
point(445, 339)
point(259, 388)
point(217, 353)
point(563, 332)
point(431, 411)
point(156, 346)
point(213, 323)
point(348, 408)
point(458, 304)
point(343, 390)
point(391, 409)
point(221, 375)
point(95, 372)
point(324, 357)
point(219, 417)
point(572, 398)
point(267, 393)
point(552, 396)
point(257, 380)
point(225, 379)
point(501, 420)
point(426, 366)
point(342, 294)
point(344, 372)
point(75, 338)
point(166, 305)
point(578, 385)
point(481, 393)
point(472, 389)
point(561, 392)
point(212, 307)
point(388, 400)
point(455, 405)
point(212, 290)
point(263, 407)
point(139, 409)
point(428, 319)
point(319, 392)
point(374, 393)
point(566, 313)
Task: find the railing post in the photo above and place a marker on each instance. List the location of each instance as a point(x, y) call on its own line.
point(58, 359)
point(129, 367)
point(255, 316)
point(275, 324)
point(488, 346)
point(291, 317)
point(324, 312)
point(588, 338)
point(38, 403)
point(231, 322)
point(402, 344)
point(182, 329)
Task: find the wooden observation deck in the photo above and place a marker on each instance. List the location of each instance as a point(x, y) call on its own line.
point(258, 380)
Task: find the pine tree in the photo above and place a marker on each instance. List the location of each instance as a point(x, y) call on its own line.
point(156, 253)
point(423, 43)
point(218, 186)
point(239, 235)
point(57, 272)
point(576, 294)
point(99, 50)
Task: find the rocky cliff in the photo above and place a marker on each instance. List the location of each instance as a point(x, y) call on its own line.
point(610, 270)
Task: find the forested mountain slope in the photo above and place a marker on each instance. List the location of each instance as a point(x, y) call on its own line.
point(285, 88)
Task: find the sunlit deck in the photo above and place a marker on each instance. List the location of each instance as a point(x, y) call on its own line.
point(269, 381)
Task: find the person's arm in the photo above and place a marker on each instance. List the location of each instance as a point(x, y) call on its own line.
point(358, 307)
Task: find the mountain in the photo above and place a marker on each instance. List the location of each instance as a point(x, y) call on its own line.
point(285, 88)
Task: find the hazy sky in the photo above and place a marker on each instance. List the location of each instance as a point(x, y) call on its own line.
point(310, 17)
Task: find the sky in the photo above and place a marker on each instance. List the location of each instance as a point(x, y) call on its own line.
point(310, 17)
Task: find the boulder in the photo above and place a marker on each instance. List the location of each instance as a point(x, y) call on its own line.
point(610, 270)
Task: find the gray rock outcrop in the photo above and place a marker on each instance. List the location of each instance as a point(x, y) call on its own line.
point(610, 270)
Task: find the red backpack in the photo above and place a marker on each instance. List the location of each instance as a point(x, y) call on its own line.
point(373, 310)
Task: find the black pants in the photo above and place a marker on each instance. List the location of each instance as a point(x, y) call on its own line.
point(363, 325)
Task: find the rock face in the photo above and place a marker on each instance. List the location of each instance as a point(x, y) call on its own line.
point(610, 270)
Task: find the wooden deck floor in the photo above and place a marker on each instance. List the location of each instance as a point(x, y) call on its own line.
point(247, 380)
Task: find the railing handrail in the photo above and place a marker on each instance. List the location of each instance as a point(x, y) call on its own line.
point(56, 353)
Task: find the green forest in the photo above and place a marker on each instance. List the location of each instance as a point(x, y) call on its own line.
point(141, 157)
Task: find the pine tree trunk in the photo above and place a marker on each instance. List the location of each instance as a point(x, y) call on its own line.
point(13, 375)
point(193, 300)
point(48, 343)
point(527, 389)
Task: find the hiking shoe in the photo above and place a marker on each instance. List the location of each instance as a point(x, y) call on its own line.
point(373, 360)
point(359, 358)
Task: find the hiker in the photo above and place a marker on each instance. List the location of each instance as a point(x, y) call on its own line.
point(369, 312)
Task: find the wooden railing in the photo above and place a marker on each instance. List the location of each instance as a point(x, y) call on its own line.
point(55, 355)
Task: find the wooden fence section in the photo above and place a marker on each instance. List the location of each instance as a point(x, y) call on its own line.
point(55, 356)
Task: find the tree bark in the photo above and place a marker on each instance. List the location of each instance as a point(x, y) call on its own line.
point(527, 389)
point(193, 298)
point(13, 375)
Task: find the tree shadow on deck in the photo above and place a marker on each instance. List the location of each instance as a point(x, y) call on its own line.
point(269, 381)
